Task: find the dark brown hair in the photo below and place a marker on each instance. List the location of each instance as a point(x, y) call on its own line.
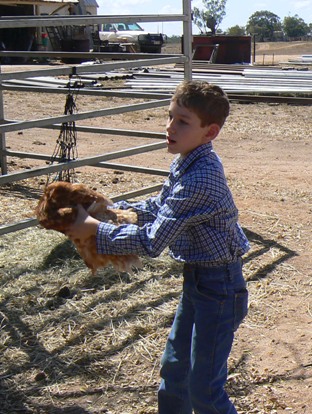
point(209, 102)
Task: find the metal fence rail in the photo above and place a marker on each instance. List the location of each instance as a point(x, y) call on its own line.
point(75, 20)
point(38, 123)
point(36, 172)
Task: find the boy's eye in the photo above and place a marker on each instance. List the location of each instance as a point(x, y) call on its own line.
point(178, 120)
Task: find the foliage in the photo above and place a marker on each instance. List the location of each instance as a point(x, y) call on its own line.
point(295, 27)
point(236, 31)
point(263, 23)
point(211, 17)
point(174, 39)
point(266, 25)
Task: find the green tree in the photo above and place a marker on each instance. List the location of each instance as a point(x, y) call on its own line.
point(295, 27)
point(174, 39)
point(236, 30)
point(263, 23)
point(211, 17)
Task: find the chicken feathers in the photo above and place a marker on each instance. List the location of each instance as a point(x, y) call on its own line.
point(57, 210)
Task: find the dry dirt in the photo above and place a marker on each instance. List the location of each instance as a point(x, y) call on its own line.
point(73, 343)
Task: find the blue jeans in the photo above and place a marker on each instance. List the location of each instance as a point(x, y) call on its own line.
point(194, 364)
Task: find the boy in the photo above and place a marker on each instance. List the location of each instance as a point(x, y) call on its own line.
point(196, 217)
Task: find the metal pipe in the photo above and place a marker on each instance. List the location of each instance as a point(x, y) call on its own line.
point(9, 178)
point(84, 20)
point(83, 115)
point(85, 91)
point(82, 69)
point(89, 55)
point(3, 160)
point(187, 39)
point(24, 224)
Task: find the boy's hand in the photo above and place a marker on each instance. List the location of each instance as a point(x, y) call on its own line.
point(84, 225)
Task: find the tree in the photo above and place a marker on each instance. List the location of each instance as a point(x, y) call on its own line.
point(236, 30)
point(264, 23)
point(295, 27)
point(211, 17)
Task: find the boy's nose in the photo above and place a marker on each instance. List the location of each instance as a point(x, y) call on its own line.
point(170, 125)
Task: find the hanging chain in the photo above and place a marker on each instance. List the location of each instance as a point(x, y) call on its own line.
point(66, 143)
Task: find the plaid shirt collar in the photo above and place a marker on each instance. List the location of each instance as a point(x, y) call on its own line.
point(181, 163)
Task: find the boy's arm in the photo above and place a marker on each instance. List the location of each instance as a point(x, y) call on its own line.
point(188, 206)
point(86, 225)
point(179, 210)
point(149, 240)
point(146, 210)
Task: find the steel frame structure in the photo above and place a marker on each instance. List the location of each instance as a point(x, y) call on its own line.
point(100, 160)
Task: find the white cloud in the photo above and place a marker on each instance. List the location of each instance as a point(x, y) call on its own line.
point(302, 4)
point(170, 9)
point(198, 4)
point(123, 7)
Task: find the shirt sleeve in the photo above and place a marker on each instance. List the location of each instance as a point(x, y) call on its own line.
point(187, 205)
point(146, 210)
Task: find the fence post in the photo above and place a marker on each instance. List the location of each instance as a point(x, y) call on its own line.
point(3, 158)
point(187, 39)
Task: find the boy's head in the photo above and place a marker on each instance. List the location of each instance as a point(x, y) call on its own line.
point(196, 114)
point(207, 101)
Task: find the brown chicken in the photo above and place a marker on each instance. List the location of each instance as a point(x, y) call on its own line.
point(57, 209)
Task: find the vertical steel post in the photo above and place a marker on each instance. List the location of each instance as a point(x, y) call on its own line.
point(3, 158)
point(187, 39)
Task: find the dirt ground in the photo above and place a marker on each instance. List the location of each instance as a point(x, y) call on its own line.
point(97, 349)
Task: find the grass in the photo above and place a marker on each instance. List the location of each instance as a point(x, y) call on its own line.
point(72, 341)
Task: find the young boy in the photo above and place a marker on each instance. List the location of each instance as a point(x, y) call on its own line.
point(196, 217)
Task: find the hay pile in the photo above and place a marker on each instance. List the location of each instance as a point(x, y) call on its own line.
point(73, 341)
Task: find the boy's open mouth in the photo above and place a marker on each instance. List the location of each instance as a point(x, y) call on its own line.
point(170, 141)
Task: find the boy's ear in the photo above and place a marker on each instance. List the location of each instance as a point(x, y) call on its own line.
point(212, 132)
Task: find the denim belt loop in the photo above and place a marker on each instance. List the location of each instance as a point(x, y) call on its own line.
point(233, 267)
point(232, 271)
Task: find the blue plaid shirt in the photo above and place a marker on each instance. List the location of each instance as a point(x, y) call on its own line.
point(194, 215)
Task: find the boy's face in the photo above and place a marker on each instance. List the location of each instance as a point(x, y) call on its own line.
point(184, 130)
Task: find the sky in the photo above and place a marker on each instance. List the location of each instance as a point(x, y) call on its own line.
point(237, 11)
